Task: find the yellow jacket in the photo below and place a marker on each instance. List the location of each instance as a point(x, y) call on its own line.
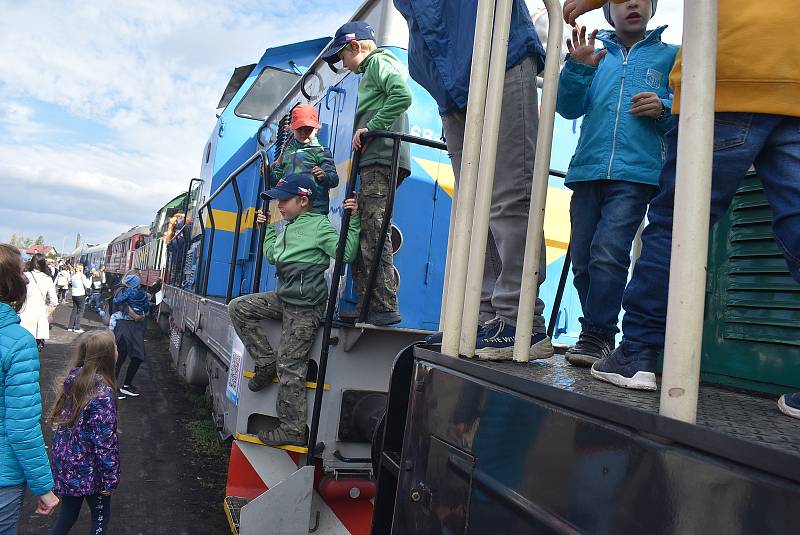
point(757, 68)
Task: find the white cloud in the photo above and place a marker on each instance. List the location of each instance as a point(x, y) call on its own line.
point(151, 73)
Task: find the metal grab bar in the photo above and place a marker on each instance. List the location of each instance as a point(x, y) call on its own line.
point(396, 138)
point(338, 264)
point(680, 381)
point(260, 154)
point(541, 166)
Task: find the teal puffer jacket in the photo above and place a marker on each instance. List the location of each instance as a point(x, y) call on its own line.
point(23, 458)
point(615, 145)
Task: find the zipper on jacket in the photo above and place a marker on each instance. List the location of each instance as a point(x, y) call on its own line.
point(301, 284)
point(625, 55)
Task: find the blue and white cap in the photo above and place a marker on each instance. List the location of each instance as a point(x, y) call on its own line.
point(356, 30)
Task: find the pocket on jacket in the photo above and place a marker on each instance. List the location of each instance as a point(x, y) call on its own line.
point(731, 129)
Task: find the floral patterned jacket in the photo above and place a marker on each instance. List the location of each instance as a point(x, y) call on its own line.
point(85, 458)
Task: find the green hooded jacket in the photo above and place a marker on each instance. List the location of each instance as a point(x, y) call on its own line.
point(302, 253)
point(383, 98)
point(300, 157)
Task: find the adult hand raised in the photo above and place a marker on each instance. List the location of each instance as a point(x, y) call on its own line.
point(575, 8)
point(581, 49)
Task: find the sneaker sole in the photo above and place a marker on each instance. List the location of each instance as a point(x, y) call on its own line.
point(129, 393)
point(639, 381)
point(787, 410)
point(580, 359)
point(542, 349)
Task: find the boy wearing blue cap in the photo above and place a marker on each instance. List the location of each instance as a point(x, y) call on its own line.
point(621, 91)
point(383, 98)
point(301, 254)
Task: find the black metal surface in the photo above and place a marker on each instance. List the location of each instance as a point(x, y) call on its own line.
point(236, 233)
point(262, 234)
point(562, 282)
point(234, 504)
point(553, 456)
point(360, 412)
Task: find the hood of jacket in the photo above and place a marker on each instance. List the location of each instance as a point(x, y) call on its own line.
point(8, 315)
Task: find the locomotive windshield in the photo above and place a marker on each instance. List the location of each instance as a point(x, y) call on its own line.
point(266, 92)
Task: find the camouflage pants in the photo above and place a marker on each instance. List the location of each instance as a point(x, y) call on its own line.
point(298, 331)
point(372, 205)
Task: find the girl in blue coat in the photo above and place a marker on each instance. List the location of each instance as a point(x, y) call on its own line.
point(23, 459)
point(623, 95)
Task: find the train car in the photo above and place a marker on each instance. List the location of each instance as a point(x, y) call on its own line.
point(151, 258)
point(223, 260)
point(89, 256)
point(120, 251)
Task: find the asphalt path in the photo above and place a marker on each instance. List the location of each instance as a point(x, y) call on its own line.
point(167, 485)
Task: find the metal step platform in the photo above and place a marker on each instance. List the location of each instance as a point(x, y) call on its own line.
point(252, 439)
point(309, 384)
point(233, 508)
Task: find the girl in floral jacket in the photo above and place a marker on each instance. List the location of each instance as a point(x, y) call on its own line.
point(85, 452)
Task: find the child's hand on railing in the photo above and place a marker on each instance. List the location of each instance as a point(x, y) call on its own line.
point(357, 143)
point(581, 49)
point(351, 204)
point(261, 218)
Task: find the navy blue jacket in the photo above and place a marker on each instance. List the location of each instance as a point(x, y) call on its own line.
point(615, 145)
point(440, 40)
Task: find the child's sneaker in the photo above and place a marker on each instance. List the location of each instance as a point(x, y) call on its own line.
point(70, 330)
point(262, 378)
point(129, 390)
point(79, 331)
point(631, 365)
point(383, 319)
point(589, 349)
point(496, 342)
point(282, 435)
point(120, 395)
point(789, 404)
point(436, 338)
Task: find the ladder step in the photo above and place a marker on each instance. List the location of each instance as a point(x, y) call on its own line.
point(252, 439)
point(233, 509)
point(309, 384)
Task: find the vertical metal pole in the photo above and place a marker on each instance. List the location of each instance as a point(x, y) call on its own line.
point(483, 199)
point(476, 107)
point(447, 262)
point(541, 175)
point(261, 232)
point(562, 282)
point(683, 343)
point(236, 234)
point(213, 228)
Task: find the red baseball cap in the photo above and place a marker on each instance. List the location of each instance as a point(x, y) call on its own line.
point(304, 115)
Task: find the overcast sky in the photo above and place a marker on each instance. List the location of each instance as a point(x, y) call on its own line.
point(105, 106)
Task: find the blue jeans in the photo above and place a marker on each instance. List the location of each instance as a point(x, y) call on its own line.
point(605, 216)
point(70, 509)
point(94, 299)
point(772, 144)
point(10, 506)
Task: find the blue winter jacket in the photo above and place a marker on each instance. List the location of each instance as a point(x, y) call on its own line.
point(22, 454)
point(614, 144)
point(440, 40)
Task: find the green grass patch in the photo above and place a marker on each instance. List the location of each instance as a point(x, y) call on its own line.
point(205, 440)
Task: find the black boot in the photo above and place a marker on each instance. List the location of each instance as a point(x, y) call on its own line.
point(590, 348)
point(263, 377)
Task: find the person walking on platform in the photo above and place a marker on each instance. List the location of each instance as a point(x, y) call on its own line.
point(756, 123)
point(85, 446)
point(383, 98)
point(62, 282)
point(129, 323)
point(441, 35)
point(23, 457)
point(301, 254)
point(79, 283)
point(612, 184)
point(40, 302)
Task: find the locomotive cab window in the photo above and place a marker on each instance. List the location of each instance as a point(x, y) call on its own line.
point(265, 93)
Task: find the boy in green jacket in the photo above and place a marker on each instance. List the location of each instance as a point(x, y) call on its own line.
point(383, 98)
point(302, 254)
point(304, 154)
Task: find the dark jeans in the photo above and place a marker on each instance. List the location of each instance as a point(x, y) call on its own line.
point(772, 144)
point(605, 216)
point(94, 299)
point(62, 294)
point(129, 337)
point(75, 317)
point(70, 508)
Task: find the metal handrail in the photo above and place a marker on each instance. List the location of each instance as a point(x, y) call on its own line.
point(338, 264)
point(260, 154)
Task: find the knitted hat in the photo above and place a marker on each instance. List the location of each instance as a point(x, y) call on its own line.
point(131, 281)
point(607, 10)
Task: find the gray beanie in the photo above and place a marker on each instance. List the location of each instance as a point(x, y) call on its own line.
point(607, 10)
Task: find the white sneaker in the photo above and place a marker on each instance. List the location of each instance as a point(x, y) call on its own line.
point(70, 330)
point(79, 331)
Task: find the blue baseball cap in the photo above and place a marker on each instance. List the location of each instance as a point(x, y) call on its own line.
point(356, 30)
point(301, 184)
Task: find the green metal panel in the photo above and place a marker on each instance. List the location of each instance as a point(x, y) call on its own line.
point(752, 318)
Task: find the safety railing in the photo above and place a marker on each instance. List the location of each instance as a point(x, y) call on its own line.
point(261, 155)
point(338, 264)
